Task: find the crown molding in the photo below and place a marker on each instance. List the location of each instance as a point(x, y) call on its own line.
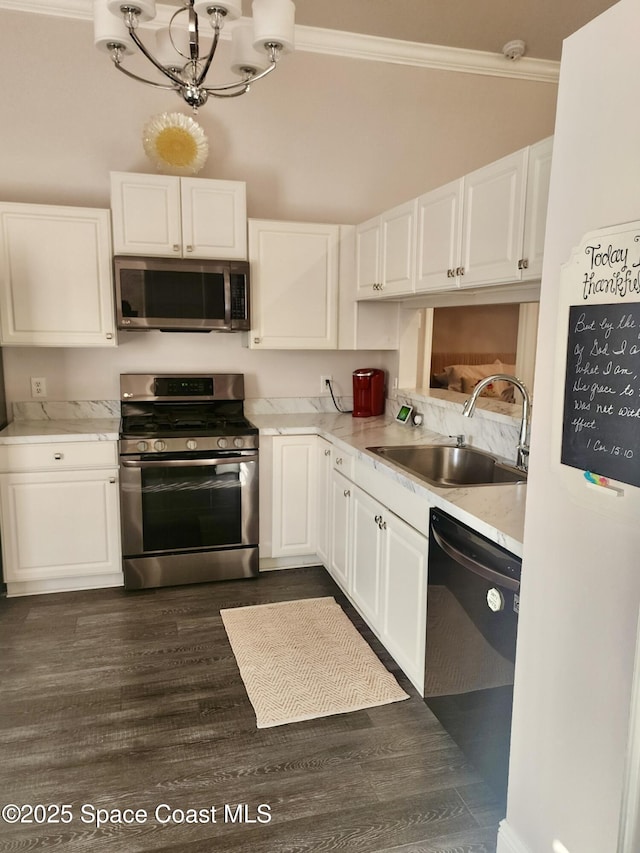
point(349, 45)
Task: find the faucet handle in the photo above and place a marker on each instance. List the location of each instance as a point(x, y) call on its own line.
point(459, 440)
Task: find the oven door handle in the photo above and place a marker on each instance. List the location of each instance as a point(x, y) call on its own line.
point(189, 463)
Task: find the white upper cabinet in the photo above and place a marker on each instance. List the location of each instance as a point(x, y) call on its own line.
point(294, 285)
point(439, 236)
point(178, 217)
point(56, 285)
point(493, 221)
point(535, 215)
point(385, 253)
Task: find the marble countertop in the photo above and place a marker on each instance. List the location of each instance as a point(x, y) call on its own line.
point(495, 511)
point(74, 429)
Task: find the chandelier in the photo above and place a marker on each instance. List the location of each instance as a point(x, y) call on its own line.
point(180, 55)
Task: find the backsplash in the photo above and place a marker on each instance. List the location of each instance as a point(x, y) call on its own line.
point(495, 426)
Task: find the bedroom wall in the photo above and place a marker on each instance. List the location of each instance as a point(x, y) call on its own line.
point(325, 139)
point(476, 328)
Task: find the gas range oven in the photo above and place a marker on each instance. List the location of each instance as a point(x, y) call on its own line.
point(188, 480)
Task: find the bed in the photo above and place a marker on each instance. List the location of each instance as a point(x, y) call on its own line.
point(461, 372)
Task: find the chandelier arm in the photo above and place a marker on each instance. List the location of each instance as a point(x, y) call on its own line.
point(154, 61)
point(142, 79)
point(209, 59)
point(212, 90)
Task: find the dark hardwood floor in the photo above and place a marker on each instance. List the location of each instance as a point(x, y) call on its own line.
point(114, 700)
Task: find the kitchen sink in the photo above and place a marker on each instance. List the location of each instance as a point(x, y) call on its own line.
point(451, 467)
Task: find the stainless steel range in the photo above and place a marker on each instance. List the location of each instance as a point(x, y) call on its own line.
point(188, 480)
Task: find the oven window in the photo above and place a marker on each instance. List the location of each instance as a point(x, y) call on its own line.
point(191, 507)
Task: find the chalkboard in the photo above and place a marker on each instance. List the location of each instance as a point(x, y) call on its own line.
point(601, 424)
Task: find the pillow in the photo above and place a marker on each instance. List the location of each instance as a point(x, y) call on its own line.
point(464, 378)
point(469, 374)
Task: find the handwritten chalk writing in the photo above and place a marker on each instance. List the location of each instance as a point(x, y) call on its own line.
point(579, 424)
point(601, 430)
point(600, 389)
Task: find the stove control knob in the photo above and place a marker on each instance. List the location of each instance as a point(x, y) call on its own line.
point(223, 442)
point(238, 442)
point(191, 444)
point(159, 445)
point(142, 446)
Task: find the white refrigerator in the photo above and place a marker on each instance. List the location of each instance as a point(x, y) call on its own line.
point(577, 635)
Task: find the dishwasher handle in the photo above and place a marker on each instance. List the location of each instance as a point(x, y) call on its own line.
point(473, 565)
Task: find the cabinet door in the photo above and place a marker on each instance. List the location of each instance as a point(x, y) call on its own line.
point(493, 221)
point(439, 235)
point(367, 551)
point(368, 273)
point(59, 525)
point(145, 212)
point(214, 218)
point(404, 596)
point(398, 242)
point(294, 285)
point(323, 532)
point(341, 498)
point(56, 286)
point(535, 217)
point(294, 495)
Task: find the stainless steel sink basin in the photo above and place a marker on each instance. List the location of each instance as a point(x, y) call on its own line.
point(451, 467)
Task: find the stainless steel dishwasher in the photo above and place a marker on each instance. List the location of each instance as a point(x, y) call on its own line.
point(472, 619)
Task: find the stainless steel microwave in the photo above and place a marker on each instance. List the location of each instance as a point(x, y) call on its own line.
point(181, 294)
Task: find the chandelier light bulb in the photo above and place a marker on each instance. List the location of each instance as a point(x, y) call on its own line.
point(181, 58)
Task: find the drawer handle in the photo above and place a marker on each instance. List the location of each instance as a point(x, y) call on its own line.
point(58, 456)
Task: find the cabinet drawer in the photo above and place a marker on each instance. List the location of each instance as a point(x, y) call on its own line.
point(342, 462)
point(58, 456)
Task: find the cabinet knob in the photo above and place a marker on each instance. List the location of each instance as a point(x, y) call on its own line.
point(378, 519)
point(189, 248)
point(176, 247)
point(523, 264)
point(112, 480)
point(450, 274)
point(257, 340)
point(109, 335)
point(347, 493)
point(327, 452)
point(339, 460)
point(459, 270)
point(58, 456)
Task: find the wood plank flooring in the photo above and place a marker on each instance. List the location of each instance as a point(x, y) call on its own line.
point(115, 700)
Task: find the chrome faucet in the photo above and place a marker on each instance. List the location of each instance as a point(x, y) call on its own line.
point(522, 458)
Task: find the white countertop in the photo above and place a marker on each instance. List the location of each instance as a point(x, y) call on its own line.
point(495, 511)
point(75, 429)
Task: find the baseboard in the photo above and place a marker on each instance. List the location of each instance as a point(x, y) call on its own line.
point(508, 840)
point(270, 564)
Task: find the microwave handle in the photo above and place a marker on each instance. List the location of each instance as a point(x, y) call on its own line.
point(227, 297)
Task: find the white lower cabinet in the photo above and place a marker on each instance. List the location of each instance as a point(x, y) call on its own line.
point(341, 515)
point(294, 498)
point(60, 525)
point(367, 555)
point(404, 595)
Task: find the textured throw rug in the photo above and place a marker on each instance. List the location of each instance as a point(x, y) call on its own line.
point(304, 659)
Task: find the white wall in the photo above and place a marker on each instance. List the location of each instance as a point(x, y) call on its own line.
point(581, 583)
point(325, 139)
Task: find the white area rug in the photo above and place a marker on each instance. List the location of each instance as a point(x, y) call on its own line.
point(304, 659)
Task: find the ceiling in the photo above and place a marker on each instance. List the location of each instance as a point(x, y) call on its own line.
point(484, 25)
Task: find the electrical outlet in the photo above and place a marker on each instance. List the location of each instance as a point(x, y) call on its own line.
point(324, 387)
point(38, 386)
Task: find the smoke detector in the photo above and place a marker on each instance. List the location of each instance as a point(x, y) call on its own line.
point(514, 49)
